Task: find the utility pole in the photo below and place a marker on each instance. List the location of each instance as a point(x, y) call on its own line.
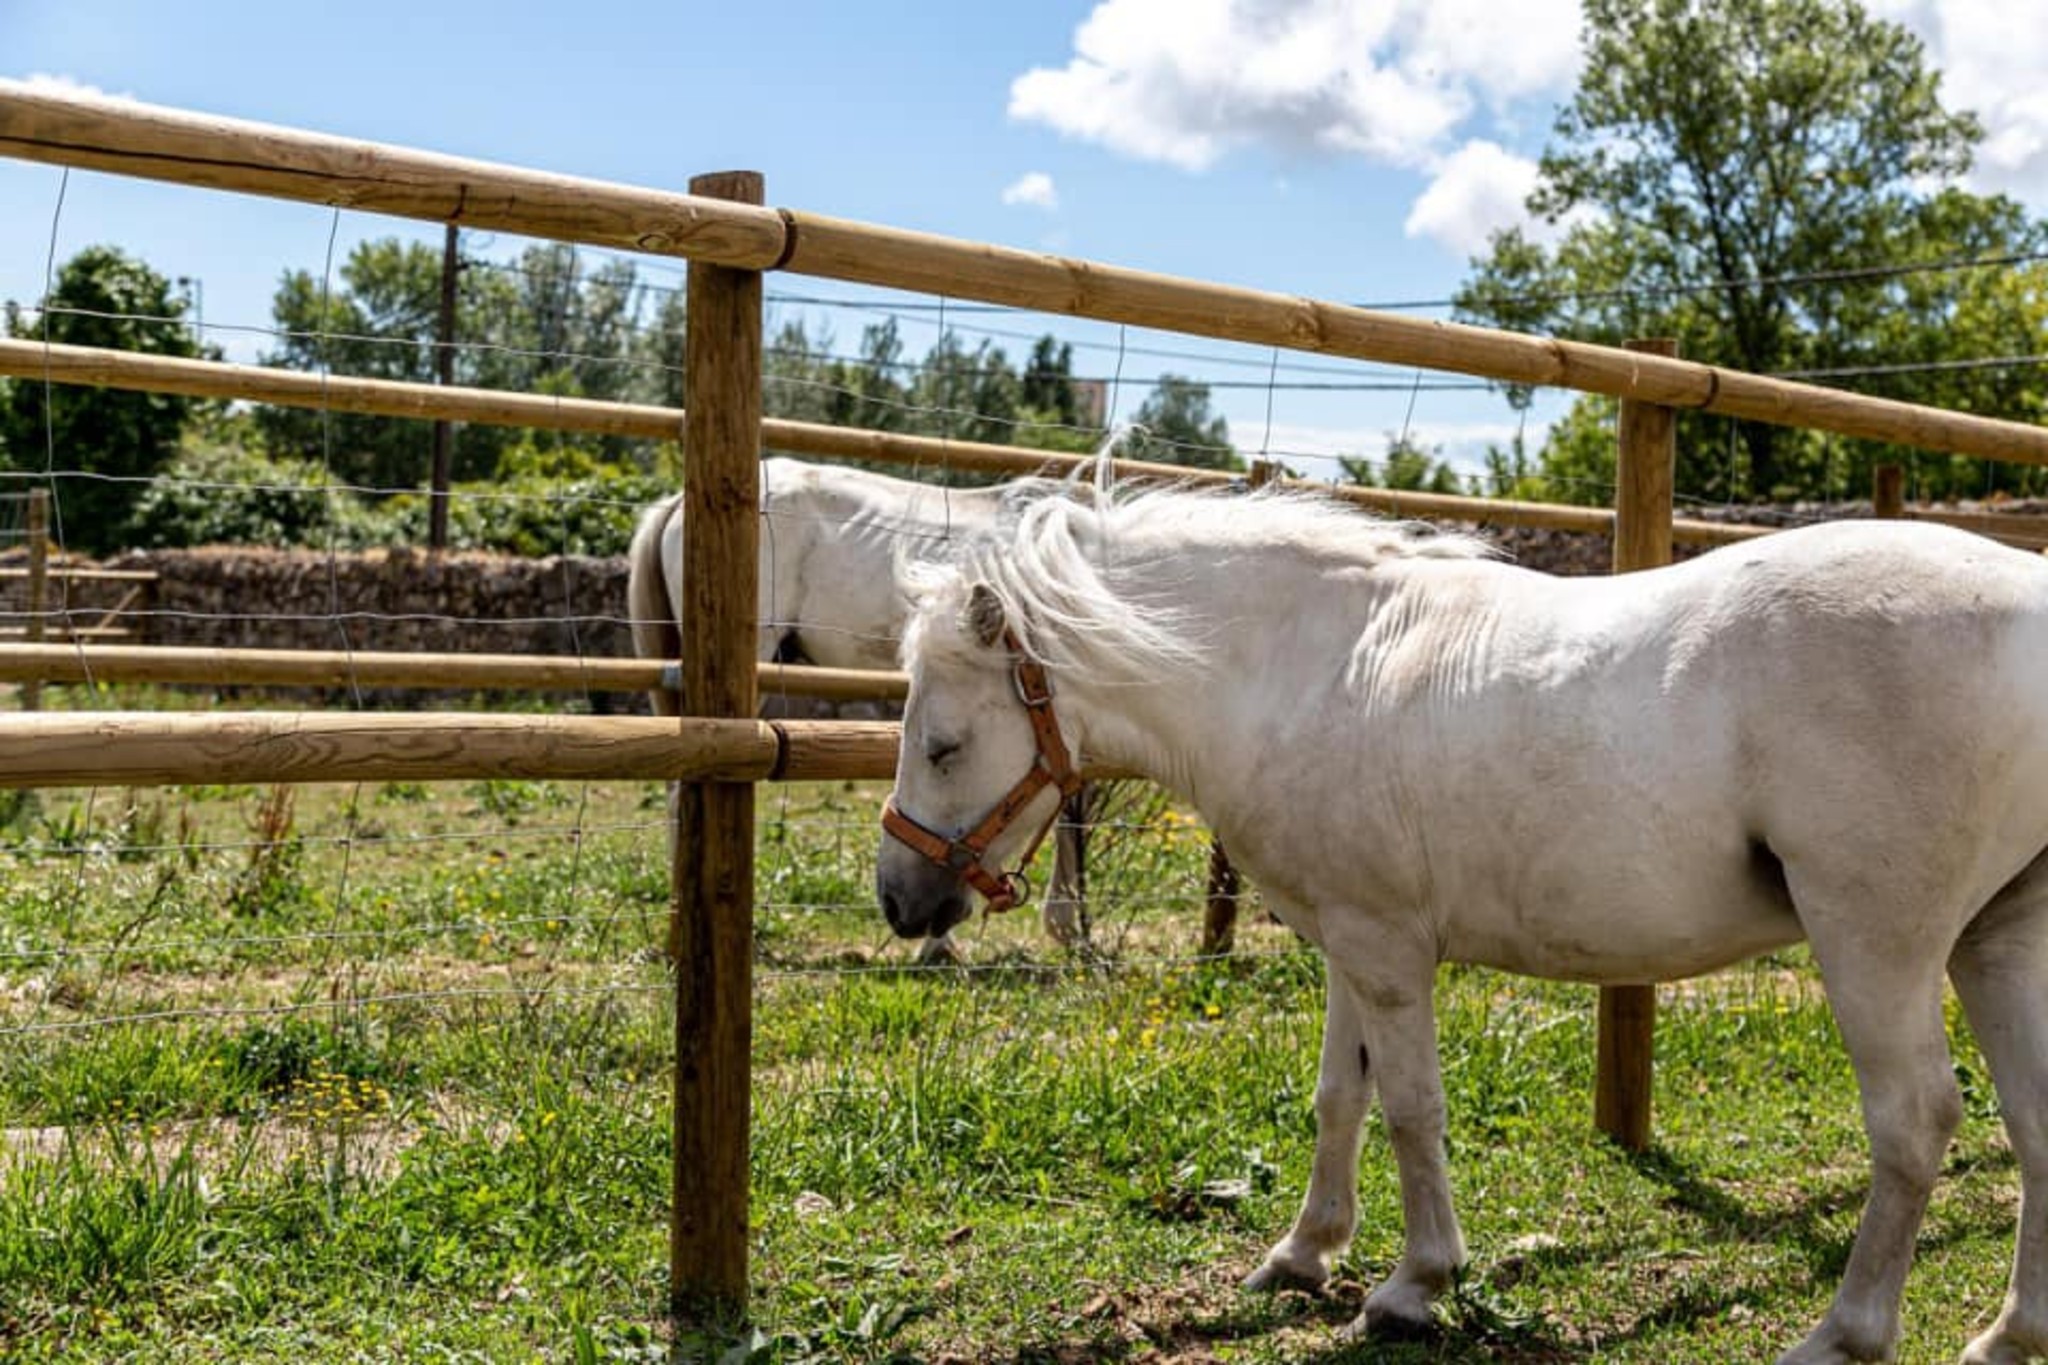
point(444, 375)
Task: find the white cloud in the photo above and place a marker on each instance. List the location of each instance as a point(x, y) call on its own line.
point(1187, 81)
point(70, 85)
point(1033, 189)
point(1478, 189)
point(1991, 54)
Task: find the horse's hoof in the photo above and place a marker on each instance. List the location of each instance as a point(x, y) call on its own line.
point(2006, 1343)
point(1275, 1276)
point(1395, 1311)
point(1828, 1344)
point(1386, 1326)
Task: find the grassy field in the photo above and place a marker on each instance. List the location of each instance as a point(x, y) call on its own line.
point(379, 1073)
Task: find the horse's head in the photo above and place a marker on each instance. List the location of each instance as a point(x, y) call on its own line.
point(982, 767)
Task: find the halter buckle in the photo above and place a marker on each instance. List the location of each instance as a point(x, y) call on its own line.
point(1022, 676)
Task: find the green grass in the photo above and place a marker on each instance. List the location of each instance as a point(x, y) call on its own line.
point(380, 1073)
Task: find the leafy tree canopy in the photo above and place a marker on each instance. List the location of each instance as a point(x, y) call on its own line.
point(1176, 424)
point(100, 445)
point(1408, 466)
point(544, 323)
point(1753, 177)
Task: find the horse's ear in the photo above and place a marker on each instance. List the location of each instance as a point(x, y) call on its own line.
point(985, 614)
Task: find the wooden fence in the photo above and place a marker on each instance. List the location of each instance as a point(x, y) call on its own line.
point(39, 573)
point(730, 236)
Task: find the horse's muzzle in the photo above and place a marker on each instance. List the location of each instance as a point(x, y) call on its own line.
point(920, 901)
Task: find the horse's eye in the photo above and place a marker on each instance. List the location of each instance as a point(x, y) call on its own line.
point(939, 750)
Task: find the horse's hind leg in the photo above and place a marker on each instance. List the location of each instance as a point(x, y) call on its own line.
point(1219, 909)
point(1886, 991)
point(2000, 969)
point(1066, 894)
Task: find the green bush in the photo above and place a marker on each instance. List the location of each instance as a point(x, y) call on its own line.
point(534, 517)
point(543, 500)
point(219, 494)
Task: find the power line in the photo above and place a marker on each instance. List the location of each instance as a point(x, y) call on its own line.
point(1842, 275)
point(1991, 362)
point(1831, 275)
point(426, 345)
point(894, 308)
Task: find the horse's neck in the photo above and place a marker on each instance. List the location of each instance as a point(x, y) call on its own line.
point(1197, 731)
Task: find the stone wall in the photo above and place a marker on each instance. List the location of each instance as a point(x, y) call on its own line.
point(398, 600)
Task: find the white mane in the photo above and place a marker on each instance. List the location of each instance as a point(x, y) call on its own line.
point(1079, 576)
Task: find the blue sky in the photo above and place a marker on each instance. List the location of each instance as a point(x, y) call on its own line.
point(1348, 151)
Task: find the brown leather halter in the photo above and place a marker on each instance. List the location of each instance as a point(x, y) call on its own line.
point(1052, 767)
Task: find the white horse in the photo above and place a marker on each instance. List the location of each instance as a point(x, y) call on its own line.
point(834, 545)
point(1423, 755)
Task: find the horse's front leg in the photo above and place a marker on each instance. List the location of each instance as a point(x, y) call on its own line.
point(1329, 1212)
point(1392, 982)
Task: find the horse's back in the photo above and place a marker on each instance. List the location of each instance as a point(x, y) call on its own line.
point(1654, 755)
point(832, 542)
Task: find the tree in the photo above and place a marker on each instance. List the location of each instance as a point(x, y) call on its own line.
point(1408, 466)
point(1048, 382)
point(103, 445)
point(1724, 174)
point(378, 324)
point(541, 325)
point(1175, 424)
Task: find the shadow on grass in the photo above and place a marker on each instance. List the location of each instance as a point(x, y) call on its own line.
point(1814, 1225)
point(1818, 1224)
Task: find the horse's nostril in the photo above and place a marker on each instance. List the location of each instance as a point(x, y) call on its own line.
point(892, 910)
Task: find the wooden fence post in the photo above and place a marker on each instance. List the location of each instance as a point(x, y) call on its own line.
point(1226, 886)
point(711, 932)
point(1644, 469)
point(38, 585)
point(1888, 492)
point(439, 472)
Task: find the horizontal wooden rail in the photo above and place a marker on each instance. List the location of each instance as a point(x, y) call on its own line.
point(395, 398)
point(2026, 532)
point(151, 748)
point(56, 629)
point(83, 575)
point(64, 128)
point(200, 667)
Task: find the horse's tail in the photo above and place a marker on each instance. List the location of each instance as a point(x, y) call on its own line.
point(650, 608)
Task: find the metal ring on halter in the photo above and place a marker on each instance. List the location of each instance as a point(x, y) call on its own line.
point(1016, 888)
point(1018, 685)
